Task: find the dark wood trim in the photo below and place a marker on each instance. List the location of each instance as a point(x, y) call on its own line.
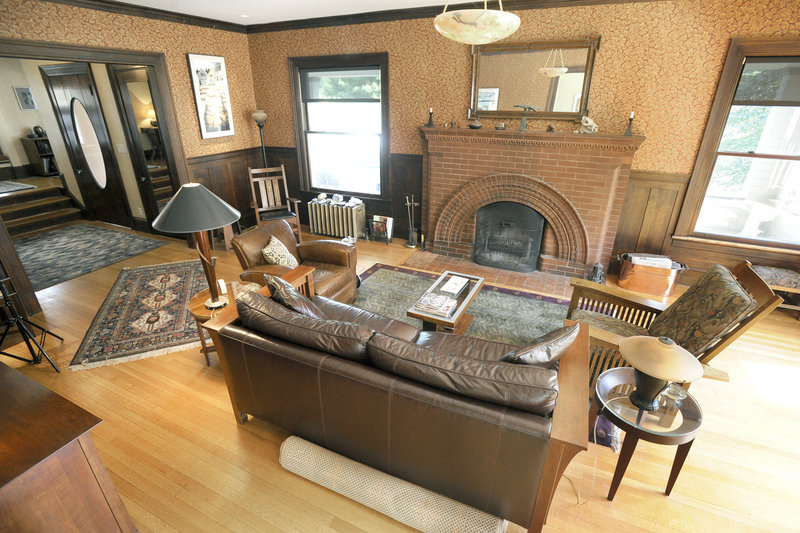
point(152, 13)
point(321, 22)
point(25, 49)
point(202, 159)
point(421, 12)
point(738, 51)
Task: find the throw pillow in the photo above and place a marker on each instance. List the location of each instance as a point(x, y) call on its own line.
point(285, 294)
point(527, 388)
point(345, 339)
point(708, 309)
point(276, 253)
point(544, 350)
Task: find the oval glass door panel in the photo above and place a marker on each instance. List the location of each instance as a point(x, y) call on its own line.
point(89, 143)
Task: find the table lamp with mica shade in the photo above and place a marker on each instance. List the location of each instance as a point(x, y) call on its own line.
point(195, 209)
point(657, 361)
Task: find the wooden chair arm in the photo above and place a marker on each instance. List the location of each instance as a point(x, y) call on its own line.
point(709, 372)
point(614, 302)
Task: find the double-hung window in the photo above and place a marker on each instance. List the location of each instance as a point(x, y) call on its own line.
point(753, 175)
point(342, 118)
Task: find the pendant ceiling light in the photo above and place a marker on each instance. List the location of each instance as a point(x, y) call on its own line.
point(476, 26)
point(550, 70)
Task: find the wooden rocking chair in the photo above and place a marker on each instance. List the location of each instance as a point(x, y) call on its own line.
point(271, 198)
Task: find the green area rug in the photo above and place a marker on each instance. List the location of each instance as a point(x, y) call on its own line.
point(508, 315)
point(145, 314)
point(61, 254)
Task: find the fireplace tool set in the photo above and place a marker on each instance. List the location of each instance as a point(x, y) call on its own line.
point(412, 231)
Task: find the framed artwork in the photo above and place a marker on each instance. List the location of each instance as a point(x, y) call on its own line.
point(210, 83)
point(25, 98)
point(487, 99)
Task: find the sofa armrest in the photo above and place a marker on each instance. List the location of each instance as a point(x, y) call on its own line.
point(328, 251)
point(614, 302)
point(568, 435)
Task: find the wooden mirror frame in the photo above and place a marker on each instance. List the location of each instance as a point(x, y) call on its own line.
point(591, 44)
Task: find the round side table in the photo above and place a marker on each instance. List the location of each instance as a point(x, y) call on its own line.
point(675, 422)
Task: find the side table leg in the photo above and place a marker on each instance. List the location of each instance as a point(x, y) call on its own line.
point(677, 464)
point(628, 445)
point(203, 346)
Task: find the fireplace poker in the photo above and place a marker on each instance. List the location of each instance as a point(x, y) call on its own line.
point(412, 231)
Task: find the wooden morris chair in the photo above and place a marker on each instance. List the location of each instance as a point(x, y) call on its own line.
point(271, 198)
point(708, 317)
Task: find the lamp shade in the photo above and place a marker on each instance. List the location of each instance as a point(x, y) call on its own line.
point(259, 116)
point(476, 26)
point(193, 209)
point(661, 358)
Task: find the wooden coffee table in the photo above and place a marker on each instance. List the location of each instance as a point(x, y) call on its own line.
point(459, 320)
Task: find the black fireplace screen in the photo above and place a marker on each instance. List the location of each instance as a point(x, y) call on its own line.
point(508, 235)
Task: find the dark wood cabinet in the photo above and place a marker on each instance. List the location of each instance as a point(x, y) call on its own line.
point(40, 155)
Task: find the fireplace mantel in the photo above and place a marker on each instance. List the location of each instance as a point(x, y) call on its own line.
point(576, 181)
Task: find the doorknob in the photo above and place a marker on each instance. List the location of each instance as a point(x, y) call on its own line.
point(144, 179)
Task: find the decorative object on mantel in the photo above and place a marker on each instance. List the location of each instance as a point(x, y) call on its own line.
point(500, 126)
point(550, 128)
point(260, 117)
point(412, 231)
point(476, 26)
point(475, 124)
point(628, 131)
point(430, 119)
point(550, 70)
point(587, 125)
point(523, 124)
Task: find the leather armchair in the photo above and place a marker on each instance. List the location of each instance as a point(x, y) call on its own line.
point(334, 262)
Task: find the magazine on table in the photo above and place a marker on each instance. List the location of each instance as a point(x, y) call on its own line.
point(454, 285)
point(436, 304)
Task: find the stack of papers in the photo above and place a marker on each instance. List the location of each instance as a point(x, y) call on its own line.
point(436, 304)
point(658, 261)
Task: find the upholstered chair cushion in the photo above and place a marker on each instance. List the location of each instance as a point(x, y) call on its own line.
point(545, 350)
point(778, 277)
point(266, 316)
point(285, 294)
point(528, 388)
point(713, 305)
point(276, 253)
point(607, 323)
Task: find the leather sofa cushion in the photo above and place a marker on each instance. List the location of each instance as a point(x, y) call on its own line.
point(527, 388)
point(344, 339)
point(285, 294)
point(471, 347)
point(347, 313)
point(544, 350)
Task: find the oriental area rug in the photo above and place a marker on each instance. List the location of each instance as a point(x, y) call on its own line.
point(146, 314)
point(512, 316)
point(61, 254)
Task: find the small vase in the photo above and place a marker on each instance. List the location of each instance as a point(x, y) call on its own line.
point(475, 124)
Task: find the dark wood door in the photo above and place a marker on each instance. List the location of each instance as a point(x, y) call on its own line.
point(104, 200)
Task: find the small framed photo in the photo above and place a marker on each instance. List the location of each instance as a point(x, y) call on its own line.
point(210, 83)
point(25, 98)
point(487, 99)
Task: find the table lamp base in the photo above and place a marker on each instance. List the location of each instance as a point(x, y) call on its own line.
point(222, 301)
point(647, 390)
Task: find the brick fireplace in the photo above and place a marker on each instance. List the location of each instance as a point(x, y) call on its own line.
point(576, 182)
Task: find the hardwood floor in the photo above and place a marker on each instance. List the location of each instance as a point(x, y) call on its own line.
point(181, 463)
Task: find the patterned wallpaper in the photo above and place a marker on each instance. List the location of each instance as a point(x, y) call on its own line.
point(659, 59)
point(46, 21)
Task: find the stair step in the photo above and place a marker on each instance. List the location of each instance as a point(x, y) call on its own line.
point(51, 218)
point(161, 181)
point(34, 207)
point(28, 195)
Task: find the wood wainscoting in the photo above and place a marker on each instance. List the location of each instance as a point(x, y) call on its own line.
point(225, 174)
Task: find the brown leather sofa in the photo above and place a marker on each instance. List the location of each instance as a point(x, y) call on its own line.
point(322, 381)
point(334, 262)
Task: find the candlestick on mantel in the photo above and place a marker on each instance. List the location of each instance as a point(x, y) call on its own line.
point(628, 132)
point(430, 119)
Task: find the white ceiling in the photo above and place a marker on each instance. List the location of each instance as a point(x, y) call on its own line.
point(248, 12)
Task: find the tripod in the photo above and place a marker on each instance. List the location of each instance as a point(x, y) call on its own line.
point(22, 323)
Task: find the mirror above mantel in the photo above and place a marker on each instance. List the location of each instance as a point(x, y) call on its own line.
point(505, 75)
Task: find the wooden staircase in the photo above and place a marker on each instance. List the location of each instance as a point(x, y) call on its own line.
point(33, 210)
point(162, 190)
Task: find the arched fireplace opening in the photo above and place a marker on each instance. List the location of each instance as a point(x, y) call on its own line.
point(508, 235)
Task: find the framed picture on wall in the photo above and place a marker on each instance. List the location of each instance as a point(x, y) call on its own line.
point(210, 83)
point(25, 98)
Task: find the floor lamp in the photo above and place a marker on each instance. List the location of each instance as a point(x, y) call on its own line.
point(261, 118)
point(194, 209)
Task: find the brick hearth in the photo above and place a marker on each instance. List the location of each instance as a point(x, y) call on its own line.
point(577, 182)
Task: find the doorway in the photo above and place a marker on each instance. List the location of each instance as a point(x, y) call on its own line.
point(140, 106)
point(80, 117)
